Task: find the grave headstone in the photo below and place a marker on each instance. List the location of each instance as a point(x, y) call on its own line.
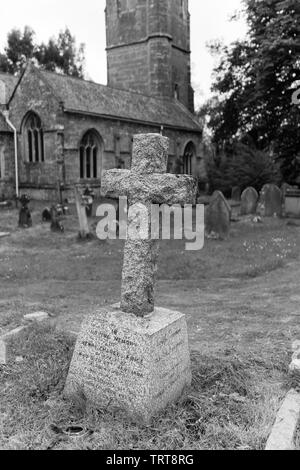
point(249, 200)
point(135, 356)
point(292, 203)
point(217, 217)
point(25, 220)
point(270, 201)
point(56, 224)
point(46, 215)
point(236, 194)
point(84, 229)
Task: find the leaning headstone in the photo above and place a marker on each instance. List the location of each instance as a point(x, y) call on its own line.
point(270, 201)
point(84, 230)
point(134, 356)
point(236, 193)
point(217, 217)
point(249, 200)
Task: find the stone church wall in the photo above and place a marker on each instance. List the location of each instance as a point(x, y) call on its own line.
point(7, 165)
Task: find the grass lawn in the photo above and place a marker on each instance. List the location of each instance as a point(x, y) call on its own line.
point(241, 298)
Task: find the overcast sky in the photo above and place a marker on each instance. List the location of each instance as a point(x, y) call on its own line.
point(210, 19)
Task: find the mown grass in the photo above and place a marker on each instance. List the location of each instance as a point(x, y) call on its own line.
point(231, 405)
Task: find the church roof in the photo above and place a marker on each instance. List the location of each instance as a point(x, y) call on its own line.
point(10, 82)
point(87, 97)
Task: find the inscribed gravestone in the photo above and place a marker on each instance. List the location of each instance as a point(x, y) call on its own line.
point(136, 357)
point(217, 216)
point(249, 200)
point(270, 201)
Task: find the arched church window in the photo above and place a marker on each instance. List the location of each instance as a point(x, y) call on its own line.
point(89, 156)
point(188, 157)
point(34, 139)
point(176, 91)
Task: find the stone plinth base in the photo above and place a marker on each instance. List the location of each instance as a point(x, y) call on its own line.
point(138, 365)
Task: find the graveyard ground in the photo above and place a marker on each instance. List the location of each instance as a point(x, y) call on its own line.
point(241, 298)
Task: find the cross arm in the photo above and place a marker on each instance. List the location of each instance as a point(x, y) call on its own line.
point(115, 183)
point(169, 189)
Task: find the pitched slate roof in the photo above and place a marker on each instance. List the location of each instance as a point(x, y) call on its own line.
point(88, 97)
point(10, 82)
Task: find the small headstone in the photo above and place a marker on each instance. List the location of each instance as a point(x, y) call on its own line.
point(56, 225)
point(292, 202)
point(46, 215)
point(270, 201)
point(217, 217)
point(36, 316)
point(25, 220)
point(249, 200)
point(236, 193)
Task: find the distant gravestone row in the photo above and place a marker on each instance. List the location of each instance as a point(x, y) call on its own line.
point(218, 214)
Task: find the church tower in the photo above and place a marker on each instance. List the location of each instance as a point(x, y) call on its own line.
point(148, 48)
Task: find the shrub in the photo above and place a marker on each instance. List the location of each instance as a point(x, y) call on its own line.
point(245, 166)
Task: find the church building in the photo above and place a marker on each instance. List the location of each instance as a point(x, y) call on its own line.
point(56, 130)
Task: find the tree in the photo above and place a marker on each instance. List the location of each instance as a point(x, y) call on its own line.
point(58, 55)
point(243, 166)
point(20, 48)
point(254, 83)
point(61, 55)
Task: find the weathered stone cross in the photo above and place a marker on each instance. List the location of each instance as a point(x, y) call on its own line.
point(146, 183)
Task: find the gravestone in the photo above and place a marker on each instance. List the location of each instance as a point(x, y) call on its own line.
point(46, 215)
point(135, 356)
point(292, 203)
point(270, 201)
point(56, 225)
point(236, 194)
point(25, 220)
point(217, 217)
point(249, 200)
point(84, 229)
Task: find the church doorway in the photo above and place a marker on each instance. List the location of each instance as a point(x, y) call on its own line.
point(90, 156)
point(189, 156)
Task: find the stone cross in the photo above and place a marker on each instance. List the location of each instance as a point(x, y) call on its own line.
point(146, 183)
